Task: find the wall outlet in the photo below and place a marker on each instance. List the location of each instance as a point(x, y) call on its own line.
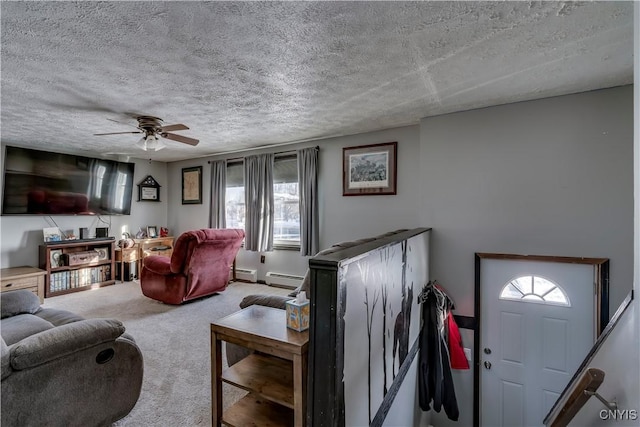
point(262, 258)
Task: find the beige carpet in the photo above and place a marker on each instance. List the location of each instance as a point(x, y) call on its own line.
point(175, 344)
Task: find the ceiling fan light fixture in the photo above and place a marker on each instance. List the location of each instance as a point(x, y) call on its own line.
point(153, 130)
point(150, 143)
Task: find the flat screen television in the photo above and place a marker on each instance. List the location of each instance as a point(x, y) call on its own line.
point(44, 183)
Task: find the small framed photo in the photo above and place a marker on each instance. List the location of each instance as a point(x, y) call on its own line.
point(369, 170)
point(51, 234)
point(152, 231)
point(192, 185)
point(56, 259)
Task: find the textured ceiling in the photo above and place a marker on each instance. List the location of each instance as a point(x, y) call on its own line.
point(248, 74)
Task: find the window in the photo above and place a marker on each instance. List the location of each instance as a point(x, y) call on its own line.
point(534, 289)
point(234, 195)
point(286, 224)
point(286, 210)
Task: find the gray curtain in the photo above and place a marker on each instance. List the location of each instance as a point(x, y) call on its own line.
point(258, 199)
point(217, 209)
point(308, 189)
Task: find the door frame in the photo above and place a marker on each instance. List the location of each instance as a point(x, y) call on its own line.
point(601, 304)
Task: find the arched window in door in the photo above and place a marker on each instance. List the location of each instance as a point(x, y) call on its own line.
point(534, 289)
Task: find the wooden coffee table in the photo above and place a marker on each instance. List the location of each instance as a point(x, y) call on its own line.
point(275, 376)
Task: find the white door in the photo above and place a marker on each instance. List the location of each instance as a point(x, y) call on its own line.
point(537, 325)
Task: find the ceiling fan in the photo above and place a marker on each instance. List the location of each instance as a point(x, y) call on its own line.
point(151, 127)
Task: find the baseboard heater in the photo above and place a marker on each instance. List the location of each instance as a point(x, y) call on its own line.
point(245, 275)
point(283, 280)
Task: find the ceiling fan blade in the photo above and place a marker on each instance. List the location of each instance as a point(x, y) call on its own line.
point(180, 138)
point(170, 128)
point(122, 123)
point(114, 133)
point(83, 107)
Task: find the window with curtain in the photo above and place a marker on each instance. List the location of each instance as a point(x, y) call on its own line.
point(286, 197)
point(234, 195)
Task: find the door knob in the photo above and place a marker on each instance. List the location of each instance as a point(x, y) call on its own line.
point(487, 350)
point(487, 364)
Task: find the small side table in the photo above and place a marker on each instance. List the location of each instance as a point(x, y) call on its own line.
point(276, 385)
point(29, 278)
point(127, 255)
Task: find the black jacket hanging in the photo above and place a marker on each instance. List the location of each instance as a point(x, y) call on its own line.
point(435, 382)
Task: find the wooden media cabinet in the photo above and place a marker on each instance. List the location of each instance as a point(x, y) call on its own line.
point(77, 265)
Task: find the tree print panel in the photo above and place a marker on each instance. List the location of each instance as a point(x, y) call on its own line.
point(381, 321)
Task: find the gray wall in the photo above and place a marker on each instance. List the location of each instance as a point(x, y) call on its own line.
point(21, 235)
point(545, 177)
point(341, 218)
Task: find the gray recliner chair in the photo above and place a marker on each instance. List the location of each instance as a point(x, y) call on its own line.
point(59, 369)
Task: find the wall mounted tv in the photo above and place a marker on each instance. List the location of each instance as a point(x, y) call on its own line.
point(43, 183)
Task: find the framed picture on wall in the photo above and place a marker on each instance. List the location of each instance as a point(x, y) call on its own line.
point(192, 185)
point(369, 170)
point(149, 190)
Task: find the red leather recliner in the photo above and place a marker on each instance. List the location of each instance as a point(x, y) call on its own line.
point(199, 266)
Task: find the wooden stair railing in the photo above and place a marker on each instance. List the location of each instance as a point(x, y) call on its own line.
point(585, 381)
point(589, 383)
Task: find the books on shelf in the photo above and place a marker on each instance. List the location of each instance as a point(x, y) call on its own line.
point(64, 280)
